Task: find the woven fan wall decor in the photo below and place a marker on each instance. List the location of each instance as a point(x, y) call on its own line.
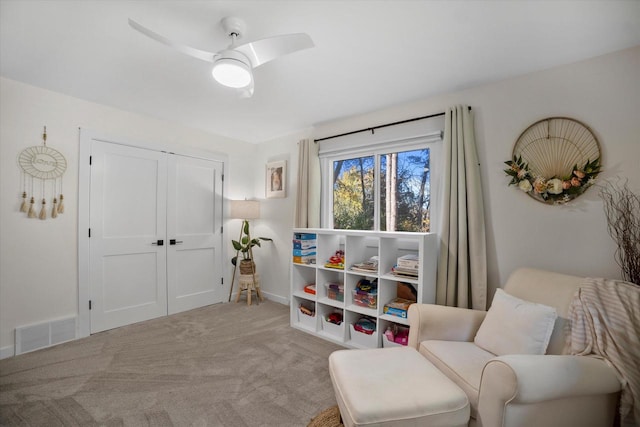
point(555, 160)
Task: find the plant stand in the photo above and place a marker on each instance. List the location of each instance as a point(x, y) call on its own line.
point(255, 281)
point(249, 283)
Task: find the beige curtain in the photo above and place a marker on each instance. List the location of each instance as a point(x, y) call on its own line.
point(462, 264)
point(307, 208)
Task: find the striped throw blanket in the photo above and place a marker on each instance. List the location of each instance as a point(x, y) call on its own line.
point(605, 322)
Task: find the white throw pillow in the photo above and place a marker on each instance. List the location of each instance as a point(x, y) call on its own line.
point(516, 326)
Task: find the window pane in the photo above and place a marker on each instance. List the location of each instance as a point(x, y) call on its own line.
point(405, 192)
point(353, 193)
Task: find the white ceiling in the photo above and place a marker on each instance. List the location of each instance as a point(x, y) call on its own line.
point(369, 54)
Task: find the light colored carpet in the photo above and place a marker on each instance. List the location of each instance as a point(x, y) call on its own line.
point(222, 365)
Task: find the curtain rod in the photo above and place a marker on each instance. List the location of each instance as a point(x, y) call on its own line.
point(373, 128)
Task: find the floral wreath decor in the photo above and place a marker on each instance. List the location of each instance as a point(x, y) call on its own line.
point(555, 160)
point(556, 190)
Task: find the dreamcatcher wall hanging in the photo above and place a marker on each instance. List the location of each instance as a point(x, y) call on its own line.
point(42, 170)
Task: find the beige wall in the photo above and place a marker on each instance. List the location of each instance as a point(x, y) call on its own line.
point(276, 222)
point(603, 93)
point(38, 259)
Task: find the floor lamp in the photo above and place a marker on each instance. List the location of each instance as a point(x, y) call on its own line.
point(244, 210)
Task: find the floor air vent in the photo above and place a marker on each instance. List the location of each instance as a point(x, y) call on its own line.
point(34, 337)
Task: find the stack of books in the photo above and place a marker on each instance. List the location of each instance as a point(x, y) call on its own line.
point(407, 266)
point(304, 248)
point(370, 266)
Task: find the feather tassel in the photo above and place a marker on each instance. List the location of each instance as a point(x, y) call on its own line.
point(54, 210)
point(31, 213)
point(43, 210)
point(61, 205)
point(24, 207)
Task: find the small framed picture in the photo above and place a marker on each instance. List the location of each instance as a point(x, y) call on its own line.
point(276, 179)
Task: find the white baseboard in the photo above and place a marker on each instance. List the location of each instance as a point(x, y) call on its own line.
point(6, 352)
point(267, 295)
point(276, 298)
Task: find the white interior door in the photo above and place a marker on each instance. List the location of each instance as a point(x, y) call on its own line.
point(128, 205)
point(194, 221)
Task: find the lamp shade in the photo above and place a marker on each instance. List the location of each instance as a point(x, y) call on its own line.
point(245, 209)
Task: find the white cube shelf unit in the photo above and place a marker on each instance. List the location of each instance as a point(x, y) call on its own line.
point(359, 246)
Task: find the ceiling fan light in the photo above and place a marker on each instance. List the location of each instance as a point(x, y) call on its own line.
point(232, 72)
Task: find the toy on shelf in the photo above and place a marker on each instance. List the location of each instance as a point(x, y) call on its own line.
point(365, 325)
point(335, 291)
point(306, 310)
point(310, 288)
point(336, 261)
point(389, 334)
point(335, 318)
point(396, 334)
point(366, 293)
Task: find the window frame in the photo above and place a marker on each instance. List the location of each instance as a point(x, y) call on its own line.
point(328, 155)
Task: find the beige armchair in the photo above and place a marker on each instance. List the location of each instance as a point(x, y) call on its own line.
point(518, 390)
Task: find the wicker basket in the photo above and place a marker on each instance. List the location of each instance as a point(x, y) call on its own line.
point(247, 266)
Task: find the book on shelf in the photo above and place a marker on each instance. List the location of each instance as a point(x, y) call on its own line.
point(410, 261)
point(304, 244)
point(363, 270)
point(310, 259)
point(405, 272)
point(370, 266)
point(304, 252)
point(398, 307)
point(304, 236)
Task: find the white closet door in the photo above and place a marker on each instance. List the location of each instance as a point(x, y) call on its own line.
point(127, 244)
point(194, 220)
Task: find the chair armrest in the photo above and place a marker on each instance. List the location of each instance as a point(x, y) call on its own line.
point(530, 379)
point(439, 322)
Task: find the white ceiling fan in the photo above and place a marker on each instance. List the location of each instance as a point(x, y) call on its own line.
point(233, 66)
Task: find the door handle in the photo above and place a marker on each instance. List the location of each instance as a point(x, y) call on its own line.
point(158, 243)
point(175, 242)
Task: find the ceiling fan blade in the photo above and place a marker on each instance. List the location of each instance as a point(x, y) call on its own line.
point(187, 50)
point(265, 50)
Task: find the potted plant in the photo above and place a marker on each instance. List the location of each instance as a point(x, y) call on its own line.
point(243, 246)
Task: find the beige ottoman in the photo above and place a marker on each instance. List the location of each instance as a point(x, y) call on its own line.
point(395, 387)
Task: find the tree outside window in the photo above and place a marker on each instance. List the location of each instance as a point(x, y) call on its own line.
point(404, 192)
point(353, 193)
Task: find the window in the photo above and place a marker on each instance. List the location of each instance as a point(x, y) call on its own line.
point(354, 193)
point(387, 186)
point(405, 191)
point(404, 196)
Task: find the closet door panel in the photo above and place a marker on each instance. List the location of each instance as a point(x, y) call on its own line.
point(127, 219)
point(194, 220)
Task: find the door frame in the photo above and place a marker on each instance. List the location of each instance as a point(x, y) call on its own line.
point(86, 136)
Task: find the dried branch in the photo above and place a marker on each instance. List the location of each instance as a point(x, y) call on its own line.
point(622, 209)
